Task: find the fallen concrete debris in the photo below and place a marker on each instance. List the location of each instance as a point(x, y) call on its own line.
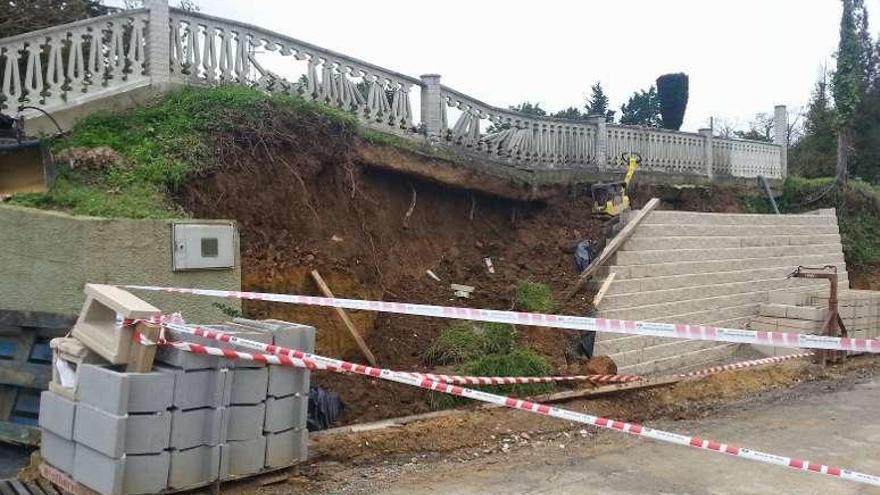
point(188, 420)
point(462, 291)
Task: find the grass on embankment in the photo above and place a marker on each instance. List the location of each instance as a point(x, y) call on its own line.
point(159, 148)
point(858, 214)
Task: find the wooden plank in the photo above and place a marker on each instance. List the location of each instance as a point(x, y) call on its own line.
point(345, 319)
point(19, 434)
point(140, 357)
point(612, 247)
point(6, 488)
point(603, 289)
point(47, 487)
point(19, 487)
point(25, 374)
point(34, 488)
point(609, 389)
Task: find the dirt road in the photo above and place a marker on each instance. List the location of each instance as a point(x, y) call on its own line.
point(816, 421)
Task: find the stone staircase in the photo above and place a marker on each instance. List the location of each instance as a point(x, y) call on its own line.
point(711, 269)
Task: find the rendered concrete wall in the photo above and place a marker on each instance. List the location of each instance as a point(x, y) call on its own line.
point(48, 257)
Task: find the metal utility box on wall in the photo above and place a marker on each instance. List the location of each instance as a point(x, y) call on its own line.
point(203, 246)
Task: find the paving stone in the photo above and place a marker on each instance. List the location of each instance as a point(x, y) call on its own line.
point(121, 393)
point(114, 435)
point(196, 427)
point(194, 467)
point(56, 414)
point(244, 422)
point(57, 451)
point(286, 413)
point(286, 448)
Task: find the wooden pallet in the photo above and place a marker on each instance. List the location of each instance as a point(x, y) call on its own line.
point(16, 487)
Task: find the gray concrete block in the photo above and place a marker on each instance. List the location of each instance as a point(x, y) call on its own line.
point(242, 458)
point(249, 385)
point(114, 435)
point(56, 414)
point(197, 388)
point(186, 360)
point(284, 381)
point(130, 475)
point(286, 413)
point(120, 393)
point(244, 332)
point(244, 422)
point(286, 448)
point(57, 451)
point(195, 427)
point(194, 467)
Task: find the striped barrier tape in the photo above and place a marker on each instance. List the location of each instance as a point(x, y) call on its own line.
point(293, 355)
point(455, 379)
point(669, 330)
point(746, 364)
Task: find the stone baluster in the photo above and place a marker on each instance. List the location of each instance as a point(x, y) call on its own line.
point(54, 82)
point(116, 62)
point(209, 57)
point(242, 57)
point(76, 66)
point(193, 51)
point(33, 74)
point(136, 56)
point(94, 64)
point(225, 63)
point(12, 89)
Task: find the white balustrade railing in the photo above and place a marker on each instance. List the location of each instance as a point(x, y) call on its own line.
point(57, 67)
point(67, 65)
point(207, 50)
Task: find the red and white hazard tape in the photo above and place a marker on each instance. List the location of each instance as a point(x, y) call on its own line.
point(670, 330)
point(321, 362)
point(515, 380)
point(746, 364)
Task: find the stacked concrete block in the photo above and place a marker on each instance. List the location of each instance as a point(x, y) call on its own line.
point(193, 420)
point(710, 269)
point(68, 354)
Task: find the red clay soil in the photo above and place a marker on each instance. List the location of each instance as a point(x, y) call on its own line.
point(307, 204)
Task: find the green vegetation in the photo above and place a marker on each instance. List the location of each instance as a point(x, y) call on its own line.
point(858, 213)
point(466, 341)
point(519, 362)
point(160, 147)
point(534, 296)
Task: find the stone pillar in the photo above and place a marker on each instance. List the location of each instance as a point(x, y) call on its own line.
point(708, 153)
point(780, 136)
point(158, 44)
point(601, 139)
point(432, 106)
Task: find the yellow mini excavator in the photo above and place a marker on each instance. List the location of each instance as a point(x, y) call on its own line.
point(610, 199)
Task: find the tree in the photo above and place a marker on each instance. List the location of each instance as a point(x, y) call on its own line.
point(643, 108)
point(598, 103)
point(571, 113)
point(525, 107)
point(848, 85)
point(672, 89)
point(814, 155)
point(22, 16)
point(760, 129)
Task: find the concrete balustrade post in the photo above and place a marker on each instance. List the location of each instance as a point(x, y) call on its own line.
point(601, 124)
point(432, 106)
point(158, 44)
point(708, 153)
point(780, 137)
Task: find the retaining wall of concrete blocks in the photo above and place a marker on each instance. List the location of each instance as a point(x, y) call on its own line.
point(188, 423)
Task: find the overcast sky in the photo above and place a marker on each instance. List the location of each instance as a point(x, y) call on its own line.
point(742, 56)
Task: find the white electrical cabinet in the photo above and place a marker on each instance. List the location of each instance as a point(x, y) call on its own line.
point(203, 246)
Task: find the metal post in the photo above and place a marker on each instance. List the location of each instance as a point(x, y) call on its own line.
point(834, 326)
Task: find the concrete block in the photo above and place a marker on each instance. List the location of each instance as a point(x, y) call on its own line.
point(773, 310)
point(57, 451)
point(789, 298)
point(285, 381)
point(291, 335)
point(114, 435)
point(249, 385)
point(244, 332)
point(242, 458)
point(99, 326)
point(197, 388)
point(196, 427)
point(56, 414)
point(130, 475)
point(286, 448)
point(194, 467)
point(806, 313)
point(121, 393)
point(72, 354)
point(244, 422)
point(286, 413)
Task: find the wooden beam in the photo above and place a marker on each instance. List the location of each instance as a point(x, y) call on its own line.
point(606, 284)
point(612, 247)
point(345, 319)
point(140, 356)
point(19, 434)
point(645, 383)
